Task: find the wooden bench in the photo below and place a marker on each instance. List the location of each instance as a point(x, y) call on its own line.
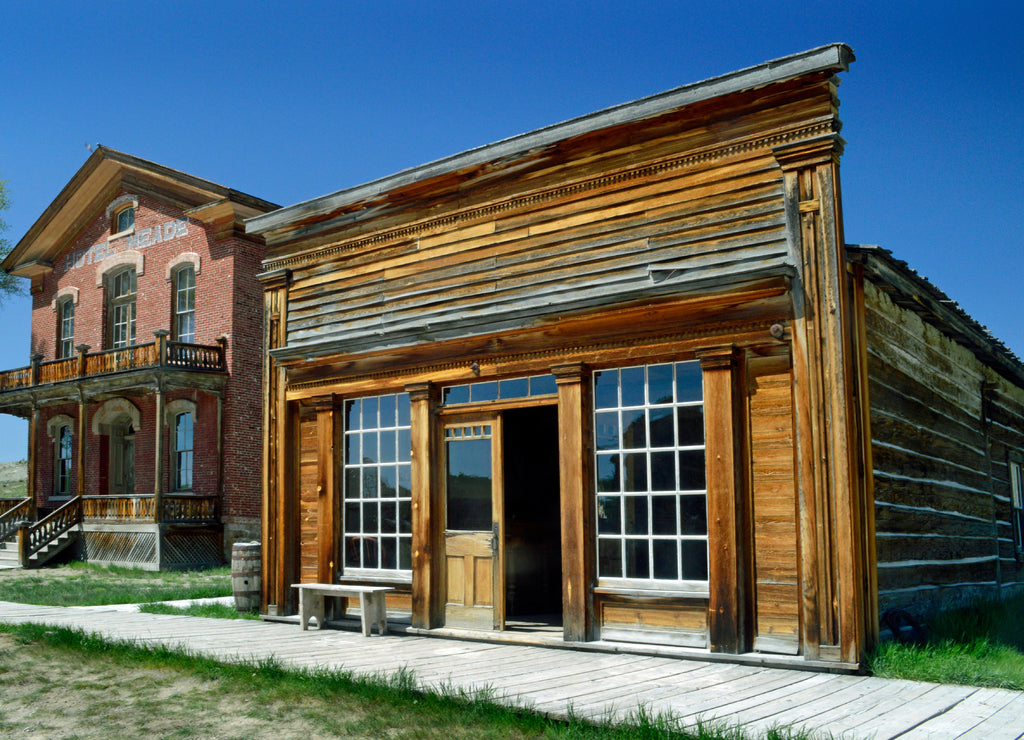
point(371, 602)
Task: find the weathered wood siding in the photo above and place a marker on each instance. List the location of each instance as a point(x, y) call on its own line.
point(776, 556)
point(560, 231)
point(309, 500)
point(941, 480)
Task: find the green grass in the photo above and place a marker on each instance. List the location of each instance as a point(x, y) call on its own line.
point(336, 702)
point(209, 610)
point(82, 584)
point(982, 645)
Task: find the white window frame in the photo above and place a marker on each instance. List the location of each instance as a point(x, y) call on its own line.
point(63, 460)
point(185, 305)
point(1017, 503)
point(66, 328)
point(122, 307)
point(183, 452)
point(366, 502)
point(612, 444)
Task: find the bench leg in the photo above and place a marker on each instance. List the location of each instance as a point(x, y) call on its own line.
point(311, 605)
point(373, 613)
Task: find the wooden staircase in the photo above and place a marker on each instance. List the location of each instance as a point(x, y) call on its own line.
point(29, 544)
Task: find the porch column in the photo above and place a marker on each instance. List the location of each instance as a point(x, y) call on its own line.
point(83, 425)
point(575, 460)
point(33, 440)
point(723, 372)
point(328, 447)
point(428, 593)
point(158, 432)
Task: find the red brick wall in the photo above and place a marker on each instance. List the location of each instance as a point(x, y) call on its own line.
point(228, 303)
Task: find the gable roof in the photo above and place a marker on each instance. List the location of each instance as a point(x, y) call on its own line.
point(91, 189)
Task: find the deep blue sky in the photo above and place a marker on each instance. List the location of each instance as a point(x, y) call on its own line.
point(292, 103)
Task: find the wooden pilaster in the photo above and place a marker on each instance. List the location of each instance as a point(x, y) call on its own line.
point(328, 446)
point(279, 452)
point(427, 511)
point(83, 425)
point(158, 431)
point(831, 492)
point(577, 501)
point(723, 374)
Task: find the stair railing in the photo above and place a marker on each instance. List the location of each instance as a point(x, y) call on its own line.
point(33, 538)
point(12, 517)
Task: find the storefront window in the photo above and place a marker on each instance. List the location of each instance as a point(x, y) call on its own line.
point(650, 474)
point(378, 484)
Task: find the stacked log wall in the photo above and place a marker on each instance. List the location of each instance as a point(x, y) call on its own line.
point(941, 479)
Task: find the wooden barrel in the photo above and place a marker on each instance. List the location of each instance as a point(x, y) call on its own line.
point(245, 575)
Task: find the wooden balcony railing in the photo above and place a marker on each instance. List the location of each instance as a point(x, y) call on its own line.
point(187, 509)
point(177, 508)
point(118, 508)
point(158, 354)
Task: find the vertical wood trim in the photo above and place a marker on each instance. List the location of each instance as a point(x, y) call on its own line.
point(727, 619)
point(327, 419)
point(288, 525)
point(577, 505)
point(33, 439)
point(428, 564)
point(832, 494)
point(866, 475)
point(274, 568)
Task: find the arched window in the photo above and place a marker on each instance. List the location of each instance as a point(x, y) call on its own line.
point(124, 220)
point(185, 304)
point(122, 308)
point(62, 467)
point(65, 328)
point(182, 451)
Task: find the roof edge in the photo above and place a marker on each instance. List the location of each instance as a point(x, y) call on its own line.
point(836, 56)
point(938, 309)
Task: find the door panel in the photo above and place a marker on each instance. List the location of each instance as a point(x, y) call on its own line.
point(473, 516)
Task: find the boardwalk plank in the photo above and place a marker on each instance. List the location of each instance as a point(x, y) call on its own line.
point(595, 684)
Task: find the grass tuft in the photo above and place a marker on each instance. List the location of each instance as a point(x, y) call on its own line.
point(980, 645)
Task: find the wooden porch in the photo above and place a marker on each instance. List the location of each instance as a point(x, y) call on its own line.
point(593, 680)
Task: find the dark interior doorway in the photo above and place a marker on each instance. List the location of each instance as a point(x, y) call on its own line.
point(533, 551)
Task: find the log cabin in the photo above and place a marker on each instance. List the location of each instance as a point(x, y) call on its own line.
point(621, 380)
point(143, 445)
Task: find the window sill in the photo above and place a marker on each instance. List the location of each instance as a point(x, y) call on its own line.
point(639, 592)
point(121, 234)
point(361, 576)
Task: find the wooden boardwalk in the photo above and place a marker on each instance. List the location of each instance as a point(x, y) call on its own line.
point(592, 684)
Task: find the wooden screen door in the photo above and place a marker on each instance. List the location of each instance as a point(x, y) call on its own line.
point(473, 538)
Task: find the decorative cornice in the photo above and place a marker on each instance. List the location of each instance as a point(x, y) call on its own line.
point(708, 331)
point(814, 132)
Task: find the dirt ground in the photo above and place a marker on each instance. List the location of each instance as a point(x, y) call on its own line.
point(48, 693)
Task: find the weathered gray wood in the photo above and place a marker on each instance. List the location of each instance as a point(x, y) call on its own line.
point(594, 684)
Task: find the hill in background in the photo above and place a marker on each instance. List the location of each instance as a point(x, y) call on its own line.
point(13, 479)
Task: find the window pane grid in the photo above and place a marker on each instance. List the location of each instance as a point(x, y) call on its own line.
point(499, 390)
point(651, 487)
point(67, 328)
point(183, 452)
point(185, 305)
point(377, 483)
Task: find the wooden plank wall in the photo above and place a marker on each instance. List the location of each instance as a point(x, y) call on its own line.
point(561, 231)
point(941, 479)
point(309, 500)
point(776, 552)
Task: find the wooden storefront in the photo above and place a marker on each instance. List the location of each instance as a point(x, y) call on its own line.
point(600, 377)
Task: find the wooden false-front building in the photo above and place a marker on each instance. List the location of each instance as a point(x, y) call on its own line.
point(613, 376)
point(143, 389)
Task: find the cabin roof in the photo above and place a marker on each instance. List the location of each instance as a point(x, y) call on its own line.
point(832, 57)
point(909, 289)
point(90, 190)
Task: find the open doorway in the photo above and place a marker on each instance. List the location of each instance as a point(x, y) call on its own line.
point(533, 553)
